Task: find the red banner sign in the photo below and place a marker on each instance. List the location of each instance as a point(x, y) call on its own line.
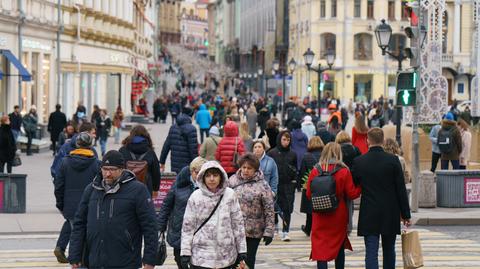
point(166, 183)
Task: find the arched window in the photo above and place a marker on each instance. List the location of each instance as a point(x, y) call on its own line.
point(328, 42)
point(363, 46)
point(397, 41)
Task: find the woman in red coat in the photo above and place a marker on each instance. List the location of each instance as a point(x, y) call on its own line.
point(329, 230)
point(359, 133)
point(226, 148)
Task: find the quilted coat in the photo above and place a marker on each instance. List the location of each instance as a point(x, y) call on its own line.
point(226, 147)
point(218, 243)
point(182, 143)
point(256, 201)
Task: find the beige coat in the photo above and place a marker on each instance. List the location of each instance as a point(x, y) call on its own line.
point(209, 147)
point(466, 145)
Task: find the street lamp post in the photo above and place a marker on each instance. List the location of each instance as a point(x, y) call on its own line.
point(308, 56)
point(383, 33)
point(284, 72)
point(260, 78)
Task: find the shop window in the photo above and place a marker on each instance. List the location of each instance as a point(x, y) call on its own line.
point(370, 9)
point(363, 46)
point(323, 8)
point(334, 8)
point(327, 42)
point(460, 88)
point(362, 88)
point(391, 10)
point(357, 8)
point(397, 42)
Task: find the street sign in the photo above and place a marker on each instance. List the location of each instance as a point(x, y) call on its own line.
point(406, 88)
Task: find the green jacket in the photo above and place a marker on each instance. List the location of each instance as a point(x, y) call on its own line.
point(30, 122)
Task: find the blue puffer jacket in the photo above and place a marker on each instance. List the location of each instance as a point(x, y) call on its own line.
point(111, 225)
point(173, 208)
point(182, 143)
point(270, 171)
point(64, 151)
point(77, 170)
point(203, 118)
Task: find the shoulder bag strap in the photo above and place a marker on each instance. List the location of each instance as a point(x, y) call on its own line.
point(214, 141)
point(211, 214)
point(133, 156)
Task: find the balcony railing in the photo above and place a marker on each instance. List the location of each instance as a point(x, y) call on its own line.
point(447, 58)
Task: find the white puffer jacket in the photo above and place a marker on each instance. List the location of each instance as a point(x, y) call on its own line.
point(218, 242)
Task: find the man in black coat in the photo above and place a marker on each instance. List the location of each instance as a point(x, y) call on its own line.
point(115, 213)
point(384, 200)
point(77, 170)
point(56, 123)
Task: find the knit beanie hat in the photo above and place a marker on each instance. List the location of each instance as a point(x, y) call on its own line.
point(113, 158)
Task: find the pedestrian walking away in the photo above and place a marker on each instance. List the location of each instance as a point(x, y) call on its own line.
point(436, 154)
point(449, 142)
point(104, 125)
point(182, 144)
point(384, 200)
point(115, 213)
point(213, 231)
point(256, 201)
point(173, 207)
point(30, 123)
point(209, 146)
point(77, 170)
point(8, 146)
point(203, 119)
point(359, 133)
point(329, 230)
point(56, 123)
point(230, 146)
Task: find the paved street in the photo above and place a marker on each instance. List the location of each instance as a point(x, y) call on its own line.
point(443, 249)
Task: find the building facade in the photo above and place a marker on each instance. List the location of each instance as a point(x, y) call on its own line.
point(95, 61)
point(169, 21)
point(194, 27)
point(360, 72)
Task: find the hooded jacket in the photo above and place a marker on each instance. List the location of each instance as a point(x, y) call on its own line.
point(173, 207)
point(77, 170)
point(8, 146)
point(209, 147)
point(203, 117)
point(218, 243)
point(256, 202)
point(138, 147)
point(308, 128)
point(181, 142)
point(226, 147)
point(64, 150)
point(457, 140)
point(111, 225)
point(299, 145)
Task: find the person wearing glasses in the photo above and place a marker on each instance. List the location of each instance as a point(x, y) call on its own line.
point(116, 212)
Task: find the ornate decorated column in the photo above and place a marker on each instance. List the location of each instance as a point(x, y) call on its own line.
point(475, 97)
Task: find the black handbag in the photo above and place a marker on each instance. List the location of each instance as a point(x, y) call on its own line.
point(161, 251)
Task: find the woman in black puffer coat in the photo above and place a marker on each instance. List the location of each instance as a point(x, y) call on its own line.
point(7, 145)
point(310, 159)
point(138, 145)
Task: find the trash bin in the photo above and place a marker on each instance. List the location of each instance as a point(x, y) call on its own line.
point(13, 193)
point(458, 188)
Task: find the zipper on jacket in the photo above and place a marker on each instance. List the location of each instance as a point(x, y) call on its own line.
point(111, 208)
point(98, 209)
point(129, 239)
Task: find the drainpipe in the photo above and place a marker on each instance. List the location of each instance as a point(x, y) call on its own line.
point(59, 31)
point(21, 21)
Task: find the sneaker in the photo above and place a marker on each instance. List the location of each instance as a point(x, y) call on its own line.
point(60, 254)
point(285, 237)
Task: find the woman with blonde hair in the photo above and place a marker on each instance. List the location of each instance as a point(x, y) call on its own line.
point(245, 136)
point(359, 133)
point(329, 230)
point(466, 143)
point(391, 146)
point(310, 158)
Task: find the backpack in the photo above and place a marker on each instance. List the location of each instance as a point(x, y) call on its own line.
point(323, 189)
point(138, 166)
point(445, 140)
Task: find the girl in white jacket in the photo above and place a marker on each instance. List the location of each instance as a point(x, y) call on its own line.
point(220, 242)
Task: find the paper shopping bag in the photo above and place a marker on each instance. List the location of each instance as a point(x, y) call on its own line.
point(411, 250)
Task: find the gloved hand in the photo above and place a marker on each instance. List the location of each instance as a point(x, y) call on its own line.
point(241, 257)
point(267, 240)
point(185, 262)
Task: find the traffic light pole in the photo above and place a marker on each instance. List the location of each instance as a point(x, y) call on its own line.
point(398, 120)
point(319, 72)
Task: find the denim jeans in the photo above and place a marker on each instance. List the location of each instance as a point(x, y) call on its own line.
point(16, 134)
point(455, 164)
point(117, 135)
point(371, 251)
point(64, 236)
point(103, 145)
point(339, 260)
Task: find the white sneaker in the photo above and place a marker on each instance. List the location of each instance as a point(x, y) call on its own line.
point(285, 237)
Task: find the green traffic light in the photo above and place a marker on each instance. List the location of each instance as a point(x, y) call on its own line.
point(406, 97)
point(309, 88)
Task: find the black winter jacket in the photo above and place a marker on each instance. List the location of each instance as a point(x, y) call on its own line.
point(384, 196)
point(182, 143)
point(349, 153)
point(153, 178)
point(7, 144)
point(75, 173)
point(15, 121)
point(173, 208)
point(56, 122)
point(111, 224)
point(310, 159)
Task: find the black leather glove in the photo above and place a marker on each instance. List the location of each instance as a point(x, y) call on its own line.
point(185, 262)
point(241, 257)
point(267, 240)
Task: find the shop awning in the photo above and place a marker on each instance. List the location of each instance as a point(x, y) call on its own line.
point(23, 72)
